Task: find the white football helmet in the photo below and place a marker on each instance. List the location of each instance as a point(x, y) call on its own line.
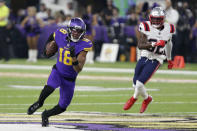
point(157, 17)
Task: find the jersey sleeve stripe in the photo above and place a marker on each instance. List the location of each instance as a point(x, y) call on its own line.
point(88, 49)
point(172, 28)
point(146, 26)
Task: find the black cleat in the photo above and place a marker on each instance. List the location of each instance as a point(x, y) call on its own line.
point(45, 119)
point(33, 108)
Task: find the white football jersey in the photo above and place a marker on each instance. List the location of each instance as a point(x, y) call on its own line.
point(153, 35)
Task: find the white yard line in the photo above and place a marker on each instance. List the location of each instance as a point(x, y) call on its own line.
point(117, 103)
point(88, 77)
point(57, 96)
point(94, 69)
point(119, 95)
point(81, 88)
point(91, 113)
point(35, 127)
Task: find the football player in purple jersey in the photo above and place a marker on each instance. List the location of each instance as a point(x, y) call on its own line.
point(72, 49)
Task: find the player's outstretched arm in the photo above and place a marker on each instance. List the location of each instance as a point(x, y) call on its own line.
point(79, 61)
point(143, 42)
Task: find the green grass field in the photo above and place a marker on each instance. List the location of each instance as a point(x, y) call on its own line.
point(103, 94)
point(174, 98)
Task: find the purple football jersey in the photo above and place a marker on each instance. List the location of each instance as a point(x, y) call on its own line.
point(64, 60)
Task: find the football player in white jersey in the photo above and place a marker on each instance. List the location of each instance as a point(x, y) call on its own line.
point(155, 45)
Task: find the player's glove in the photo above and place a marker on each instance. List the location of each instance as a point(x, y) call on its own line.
point(72, 51)
point(170, 64)
point(159, 43)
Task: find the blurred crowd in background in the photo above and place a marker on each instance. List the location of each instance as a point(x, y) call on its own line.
point(24, 32)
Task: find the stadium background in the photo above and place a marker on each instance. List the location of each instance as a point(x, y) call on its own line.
point(110, 26)
point(101, 88)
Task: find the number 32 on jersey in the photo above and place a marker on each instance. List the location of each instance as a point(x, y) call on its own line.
point(158, 49)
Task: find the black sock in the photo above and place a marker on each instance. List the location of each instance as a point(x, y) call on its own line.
point(54, 111)
point(45, 93)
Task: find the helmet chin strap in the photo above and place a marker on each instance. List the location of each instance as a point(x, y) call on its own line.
point(76, 40)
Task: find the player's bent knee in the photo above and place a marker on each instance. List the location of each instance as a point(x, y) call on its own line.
point(139, 84)
point(62, 108)
point(49, 88)
point(134, 81)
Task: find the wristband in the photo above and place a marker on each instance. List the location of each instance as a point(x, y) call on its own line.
point(153, 44)
point(75, 63)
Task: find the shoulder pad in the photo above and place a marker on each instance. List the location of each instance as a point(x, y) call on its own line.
point(63, 31)
point(86, 40)
point(87, 44)
point(143, 27)
point(59, 33)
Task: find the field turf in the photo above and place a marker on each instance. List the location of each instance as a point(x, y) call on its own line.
point(171, 98)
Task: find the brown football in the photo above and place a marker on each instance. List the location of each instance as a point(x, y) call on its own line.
point(51, 48)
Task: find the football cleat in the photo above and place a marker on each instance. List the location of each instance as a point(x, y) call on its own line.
point(45, 119)
point(129, 103)
point(145, 104)
point(33, 108)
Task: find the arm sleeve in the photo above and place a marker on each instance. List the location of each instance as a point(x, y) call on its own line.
point(168, 49)
point(51, 38)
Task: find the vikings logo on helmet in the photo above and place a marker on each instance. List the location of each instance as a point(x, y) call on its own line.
point(76, 29)
point(157, 17)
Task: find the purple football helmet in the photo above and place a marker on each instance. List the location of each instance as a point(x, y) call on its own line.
point(76, 29)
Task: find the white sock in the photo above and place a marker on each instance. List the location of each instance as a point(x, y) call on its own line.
point(30, 55)
point(35, 54)
point(140, 90)
point(136, 91)
point(133, 86)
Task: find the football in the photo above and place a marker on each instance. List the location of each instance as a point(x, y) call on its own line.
point(51, 48)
